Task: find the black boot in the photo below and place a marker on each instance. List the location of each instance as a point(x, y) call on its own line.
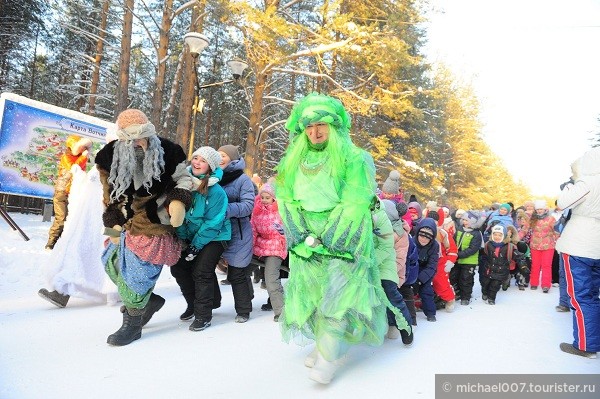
point(154, 304)
point(189, 311)
point(129, 331)
point(407, 337)
point(54, 297)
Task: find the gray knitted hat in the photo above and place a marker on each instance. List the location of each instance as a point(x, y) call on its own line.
point(210, 155)
point(392, 183)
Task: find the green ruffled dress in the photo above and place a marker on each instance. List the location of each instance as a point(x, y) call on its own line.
point(333, 294)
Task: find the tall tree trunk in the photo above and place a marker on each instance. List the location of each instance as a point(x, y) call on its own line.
point(98, 58)
point(83, 81)
point(123, 86)
point(168, 129)
point(253, 140)
point(188, 89)
point(33, 64)
point(161, 65)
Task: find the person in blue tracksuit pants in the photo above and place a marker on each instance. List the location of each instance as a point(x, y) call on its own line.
point(579, 245)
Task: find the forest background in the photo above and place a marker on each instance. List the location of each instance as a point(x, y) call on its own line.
point(100, 57)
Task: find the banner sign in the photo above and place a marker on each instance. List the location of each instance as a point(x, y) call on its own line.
point(32, 140)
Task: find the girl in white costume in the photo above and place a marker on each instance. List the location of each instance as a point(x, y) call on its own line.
point(75, 267)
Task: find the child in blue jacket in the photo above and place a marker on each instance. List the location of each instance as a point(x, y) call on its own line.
point(429, 254)
point(206, 230)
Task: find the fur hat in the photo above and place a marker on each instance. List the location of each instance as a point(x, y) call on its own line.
point(426, 232)
point(267, 188)
point(212, 157)
point(459, 213)
point(499, 228)
point(231, 151)
point(392, 183)
point(133, 124)
point(540, 204)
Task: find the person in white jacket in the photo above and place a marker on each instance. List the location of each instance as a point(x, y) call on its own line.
point(579, 246)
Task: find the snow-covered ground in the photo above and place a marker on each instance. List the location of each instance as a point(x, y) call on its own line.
point(47, 352)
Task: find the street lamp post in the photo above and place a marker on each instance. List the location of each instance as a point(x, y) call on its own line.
point(196, 43)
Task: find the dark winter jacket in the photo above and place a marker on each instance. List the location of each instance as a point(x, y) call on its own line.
point(497, 259)
point(142, 211)
point(428, 254)
point(240, 193)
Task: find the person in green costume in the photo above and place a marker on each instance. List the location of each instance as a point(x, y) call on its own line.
point(325, 185)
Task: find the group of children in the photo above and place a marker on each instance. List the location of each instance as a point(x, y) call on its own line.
point(499, 245)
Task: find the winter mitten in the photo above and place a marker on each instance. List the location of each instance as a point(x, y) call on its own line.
point(312, 241)
point(417, 286)
point(448, 267)
point(177, 212)
point(190, 253)
point(524, 269)
point(279, 228)
point(116, 239)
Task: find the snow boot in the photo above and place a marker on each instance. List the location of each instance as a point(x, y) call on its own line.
point(323, 370)
point(199, 324)
point(464, 302)
point(449, 307)
point(407, 337)
point(392, 332)
point(154, 304)
point(188, 314)
point(242, 318)
point(54, 297)
point(562, 308)
point(189, 311)
point(311, 358)
point(267, 306)
point(506, 284)
point(568, 348)
point(129, 331)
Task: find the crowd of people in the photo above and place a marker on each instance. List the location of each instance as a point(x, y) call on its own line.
point(363, 261)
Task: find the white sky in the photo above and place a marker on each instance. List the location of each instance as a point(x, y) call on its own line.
point(535, 67)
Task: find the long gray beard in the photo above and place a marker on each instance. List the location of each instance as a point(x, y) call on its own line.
point(128, 163)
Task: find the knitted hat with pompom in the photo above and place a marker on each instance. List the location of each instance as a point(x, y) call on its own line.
point(392, 183)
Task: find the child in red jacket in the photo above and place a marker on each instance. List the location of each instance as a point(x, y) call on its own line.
point(269, 243)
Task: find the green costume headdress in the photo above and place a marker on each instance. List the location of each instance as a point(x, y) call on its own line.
point(315, 108)
point(311, 109)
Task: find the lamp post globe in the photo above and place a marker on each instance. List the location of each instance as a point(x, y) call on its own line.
point(237, 67)
point(196, 42)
